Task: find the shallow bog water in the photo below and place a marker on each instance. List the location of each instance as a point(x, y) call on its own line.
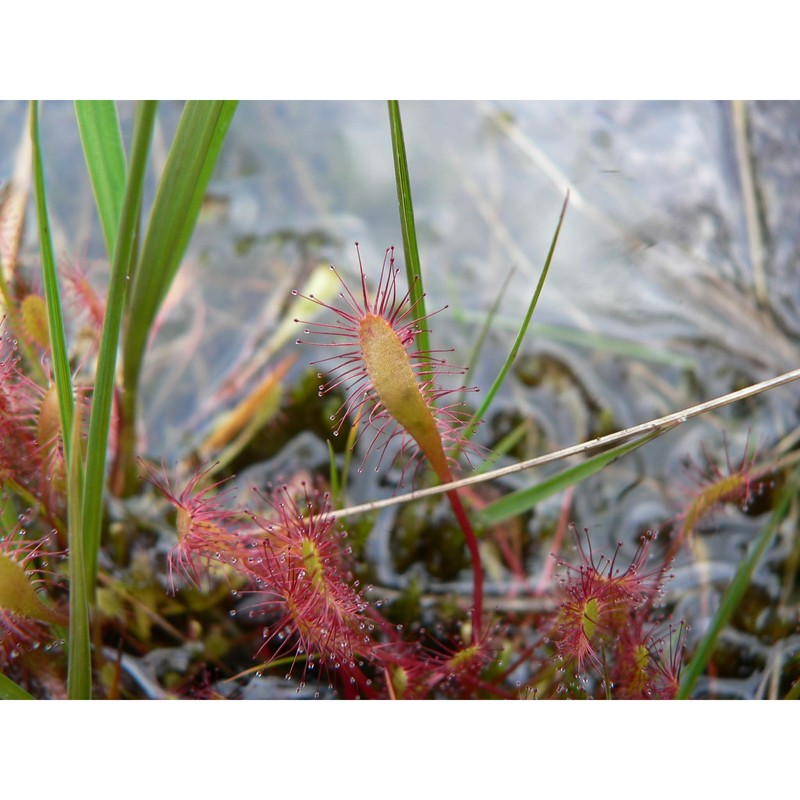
point(674, 280)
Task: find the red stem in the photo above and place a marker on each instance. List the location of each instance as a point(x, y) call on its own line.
point(477, 573)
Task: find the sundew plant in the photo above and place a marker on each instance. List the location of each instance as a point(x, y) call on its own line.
point(360, 501)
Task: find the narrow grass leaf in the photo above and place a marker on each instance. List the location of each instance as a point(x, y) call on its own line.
point(79, 649)
point(735, 592)
point(407, 224)
point(487, 325)
point(524, 500)
point(107, 357)
point(101, 137)
point(190, 163)
point(501, 376)
point(12, 691)
point(55, 317)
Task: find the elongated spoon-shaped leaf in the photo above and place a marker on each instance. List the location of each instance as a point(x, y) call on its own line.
point(18, 596)
point(103, 150)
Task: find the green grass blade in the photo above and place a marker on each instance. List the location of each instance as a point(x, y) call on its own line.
point(410, 248)
point(99, 421)
point(735, 592)
point(190, 163)
point(79, 647)
point(12, 691)
point(55, 317)
point(486, 327)
point(104, 152)
point(523, 500)
point(501, 376)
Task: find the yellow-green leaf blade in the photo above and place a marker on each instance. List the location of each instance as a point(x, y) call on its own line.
point(103, 150)
point(190, 163)
point(523, 500)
